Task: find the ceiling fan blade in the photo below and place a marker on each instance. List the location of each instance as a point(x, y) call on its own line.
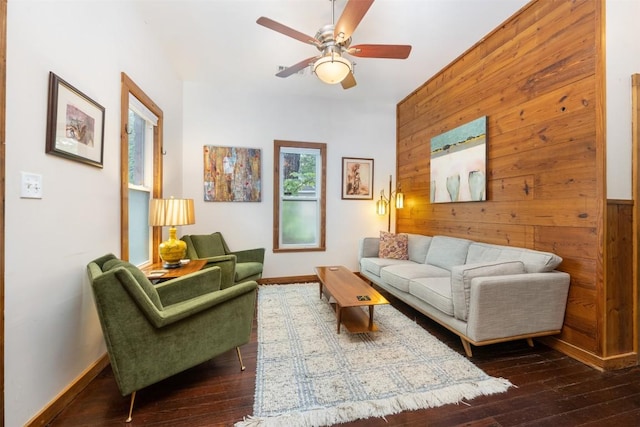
point(348, 82)
point(297, 67)
point(353, 13)
point(287, 31)
point(391, 51)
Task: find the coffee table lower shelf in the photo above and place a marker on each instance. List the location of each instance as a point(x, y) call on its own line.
point(355, 319)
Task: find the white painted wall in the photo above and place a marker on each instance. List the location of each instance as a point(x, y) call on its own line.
point(228, 116)
point(623, 60)
point(52, 332)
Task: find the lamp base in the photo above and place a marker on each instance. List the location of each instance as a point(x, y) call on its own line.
point(172, 265)
point(172, 251)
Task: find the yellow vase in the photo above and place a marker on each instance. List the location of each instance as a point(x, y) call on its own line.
point(172, 250)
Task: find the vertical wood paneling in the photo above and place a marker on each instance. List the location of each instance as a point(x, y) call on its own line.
point(539, 79)
point(620, 293)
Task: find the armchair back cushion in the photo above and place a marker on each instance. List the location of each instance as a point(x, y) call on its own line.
point(207, 245)
point(142, 280)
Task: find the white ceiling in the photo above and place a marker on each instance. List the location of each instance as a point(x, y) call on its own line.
point(219, 41)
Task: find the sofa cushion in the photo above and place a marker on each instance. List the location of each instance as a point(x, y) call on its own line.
point(400, 275)
point(418, 247)
point(244, 270)
point(462, 275)
point(445, 252)
point(435, 291)
point(374, 265)
point(139, 276)
point(534, 261)
point(393, 246)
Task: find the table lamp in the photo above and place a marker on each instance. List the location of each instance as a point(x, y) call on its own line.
point(171, 212)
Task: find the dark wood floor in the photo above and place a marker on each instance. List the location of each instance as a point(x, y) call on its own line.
point(552, 390)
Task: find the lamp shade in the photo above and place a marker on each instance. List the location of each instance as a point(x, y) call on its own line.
point(399, 200)
point(171, 212)
point(332, 68)
point(381, 207)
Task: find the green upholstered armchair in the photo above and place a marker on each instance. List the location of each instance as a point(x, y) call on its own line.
point(153, 332)
point(213, 248)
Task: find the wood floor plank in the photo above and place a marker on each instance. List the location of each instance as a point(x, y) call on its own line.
point(551, 389)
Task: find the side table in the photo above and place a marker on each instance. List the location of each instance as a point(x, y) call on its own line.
point(157, 273)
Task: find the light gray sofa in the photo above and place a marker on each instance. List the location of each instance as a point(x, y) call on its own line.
point(484, 293)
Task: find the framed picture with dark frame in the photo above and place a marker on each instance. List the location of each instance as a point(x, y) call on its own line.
point(75, 124)
point(357, 178)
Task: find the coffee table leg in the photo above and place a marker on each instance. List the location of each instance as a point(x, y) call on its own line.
point(320, 286)
point(338, 316)
point(370, 317)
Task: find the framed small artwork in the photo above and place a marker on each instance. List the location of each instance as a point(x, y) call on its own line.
point(232, 174)
point(357, 178)
point(75, 124)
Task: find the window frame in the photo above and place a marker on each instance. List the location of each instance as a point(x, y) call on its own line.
point(278, 145)
point(128, 87)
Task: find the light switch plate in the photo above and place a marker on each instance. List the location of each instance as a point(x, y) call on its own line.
point(30, 185)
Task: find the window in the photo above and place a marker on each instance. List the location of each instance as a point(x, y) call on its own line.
point(299, 199)
point(141, 163)
point(141, 129)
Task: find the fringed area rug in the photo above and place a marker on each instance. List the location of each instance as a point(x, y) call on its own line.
point(308, 375)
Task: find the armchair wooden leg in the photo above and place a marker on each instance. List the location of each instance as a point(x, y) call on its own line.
point(133, 398)
point(530, 342)
point(240, 359)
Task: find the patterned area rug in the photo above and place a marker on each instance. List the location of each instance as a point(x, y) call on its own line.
point(308, 375)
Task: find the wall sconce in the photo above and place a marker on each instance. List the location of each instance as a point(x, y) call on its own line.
point(382, 205)
point(171, 212)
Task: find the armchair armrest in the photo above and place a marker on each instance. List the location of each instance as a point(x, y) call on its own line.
point(512, 305)
point(184, 309)
point(227, 264)
point(250, 255)
point(190, 286)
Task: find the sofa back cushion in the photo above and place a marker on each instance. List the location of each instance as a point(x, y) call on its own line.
point(445, 252)
point(534, 261)
point(137, 274)
point(462, 275)
point(418, 247)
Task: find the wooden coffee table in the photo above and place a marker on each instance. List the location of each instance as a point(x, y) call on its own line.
point(349, 292)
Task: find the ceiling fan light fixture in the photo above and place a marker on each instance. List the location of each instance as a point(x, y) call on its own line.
point(332, 68)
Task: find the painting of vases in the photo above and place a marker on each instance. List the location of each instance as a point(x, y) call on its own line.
point(458, 164)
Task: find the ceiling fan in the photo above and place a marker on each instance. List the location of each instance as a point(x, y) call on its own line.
point(333, 40)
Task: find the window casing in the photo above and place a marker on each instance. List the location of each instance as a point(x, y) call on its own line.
point(141, 173)
point(299, 196)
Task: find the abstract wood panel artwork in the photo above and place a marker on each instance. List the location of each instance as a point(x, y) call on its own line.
point(232, 174)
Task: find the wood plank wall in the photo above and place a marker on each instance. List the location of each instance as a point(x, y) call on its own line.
point(539, 79)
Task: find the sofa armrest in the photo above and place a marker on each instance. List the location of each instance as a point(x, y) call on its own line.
point(369, 247)
point(189, 286)
point(520, 304)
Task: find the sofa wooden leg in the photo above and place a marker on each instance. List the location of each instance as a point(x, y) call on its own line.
point(240, 359)
point(133, 398)
point(467, 347)
point(530, 342)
